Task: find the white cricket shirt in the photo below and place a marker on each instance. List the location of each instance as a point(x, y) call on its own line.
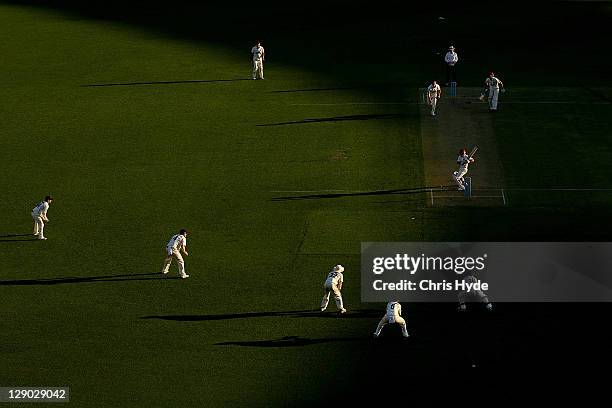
point(41, 209)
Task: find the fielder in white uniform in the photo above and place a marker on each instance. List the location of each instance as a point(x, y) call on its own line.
point(333, 283)
point(451, 58)
point(176, 245)
point(433, 94)
point(494, 84)
point(39, 214)
point(393, 315)
point(463, 160)
point(463, 295)
point(258, 60)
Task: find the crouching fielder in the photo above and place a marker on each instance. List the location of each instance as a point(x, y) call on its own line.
point(333, 283)
point(393, 315)
point(475, 294)
point(176, 245)
point(39, 214)
point(433, 94)
point(463, 160)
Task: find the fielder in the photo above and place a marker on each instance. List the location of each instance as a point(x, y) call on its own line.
point(433, 94)
point(333, 283)
point(393, 315)
point(258, 60)
point(463, 295)
point(176, 245)
point(463, 160)
point(39, 214)
point(494, 84)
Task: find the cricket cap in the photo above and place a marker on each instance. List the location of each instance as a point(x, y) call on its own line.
point(339, 268)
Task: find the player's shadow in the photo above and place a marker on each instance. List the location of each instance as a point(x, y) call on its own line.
point(85, 279)
point(287, 341)
point(18, 238)
point(195, 81)
point(339, 119)
point(372, 86)
point(399, 191)
point(358, 314)
point(315, 90)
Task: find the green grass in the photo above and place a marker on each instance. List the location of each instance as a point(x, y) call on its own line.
point(130, 165)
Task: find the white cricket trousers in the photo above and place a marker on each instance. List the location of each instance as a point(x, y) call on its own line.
point(458, 177)
point(327, 290)
point(385, 320)
point(39, 225)
point(174, 253)
point(493, 96)
point(433, 102)
point(258, 69)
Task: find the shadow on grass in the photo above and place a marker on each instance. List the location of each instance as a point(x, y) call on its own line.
point(18, 238)
point(317, 90)
point(167, 82)
point(89, 279)
point(598, 94)
point(339, 119)
point(287, 341)
point(358, 314)
point(372, 86)
point(399, 191)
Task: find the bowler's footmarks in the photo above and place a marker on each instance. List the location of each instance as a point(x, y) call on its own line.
point(333, 284)
point(392, 316)
point(176, 245)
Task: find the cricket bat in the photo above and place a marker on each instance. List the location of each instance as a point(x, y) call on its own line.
point(473, 152)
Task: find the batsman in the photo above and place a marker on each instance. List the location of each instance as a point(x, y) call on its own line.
point(463, 160)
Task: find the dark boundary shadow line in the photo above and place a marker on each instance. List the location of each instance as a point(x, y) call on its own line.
point(400, 191)
point(287, 341)
point(339, 119)
point(371, 86)
point(313, 313)
point(166, 82)
point(91, 279)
